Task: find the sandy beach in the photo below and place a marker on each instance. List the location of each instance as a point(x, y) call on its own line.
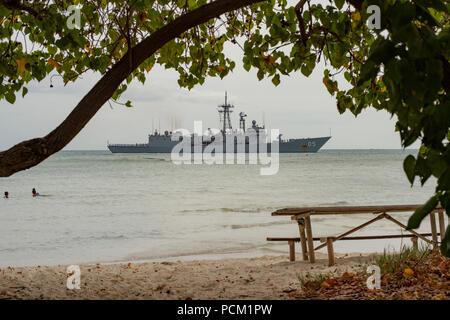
point(267, 277)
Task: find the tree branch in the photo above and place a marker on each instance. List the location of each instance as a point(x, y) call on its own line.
point(31, 152)
point(18, 5)
point(446, 71)
point(298, 12)
point(357, 4)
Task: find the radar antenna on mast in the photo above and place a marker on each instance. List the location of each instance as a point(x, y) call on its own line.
point(224, 113)
point(242, 116)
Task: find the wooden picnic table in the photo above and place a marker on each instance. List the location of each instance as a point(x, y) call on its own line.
point(302, 216)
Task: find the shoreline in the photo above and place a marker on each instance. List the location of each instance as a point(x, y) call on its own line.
point(206, 256)
point(266, 277)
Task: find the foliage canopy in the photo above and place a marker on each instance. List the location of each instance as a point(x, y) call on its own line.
point(402, 67)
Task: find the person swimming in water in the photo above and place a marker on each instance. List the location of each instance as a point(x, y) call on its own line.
point(35, 194)
point(6, 194)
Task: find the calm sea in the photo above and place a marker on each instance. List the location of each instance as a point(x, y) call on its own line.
point(103, 207)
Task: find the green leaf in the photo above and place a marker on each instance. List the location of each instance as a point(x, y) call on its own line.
point(192, 3)
point(306, 70)
point(437, 164)
point(260, 75)
point(276, 80)
point(10, 97)
point(291, 14)
point(339, 3)
point(420, 213)
point(409, 165)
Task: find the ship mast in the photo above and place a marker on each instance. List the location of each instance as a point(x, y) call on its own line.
point(242, 116)
point(224, 113)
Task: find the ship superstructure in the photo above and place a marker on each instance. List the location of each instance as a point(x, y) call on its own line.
point(165, 142)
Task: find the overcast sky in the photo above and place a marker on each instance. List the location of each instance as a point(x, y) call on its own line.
point(299, 107)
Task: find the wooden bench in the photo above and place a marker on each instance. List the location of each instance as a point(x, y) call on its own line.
point(330, 240)
point(302, 217)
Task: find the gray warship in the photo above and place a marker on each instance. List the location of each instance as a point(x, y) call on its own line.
point(165, 142)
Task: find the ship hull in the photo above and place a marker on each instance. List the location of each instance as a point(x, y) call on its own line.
point(307, 145)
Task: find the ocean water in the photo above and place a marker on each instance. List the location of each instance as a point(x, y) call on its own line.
point(103, 207)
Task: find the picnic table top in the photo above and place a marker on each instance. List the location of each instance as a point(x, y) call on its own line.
point(348, 209)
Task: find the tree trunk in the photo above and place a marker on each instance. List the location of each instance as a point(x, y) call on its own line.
point(32, 152)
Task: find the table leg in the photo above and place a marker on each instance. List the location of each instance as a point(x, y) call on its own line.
point(433, 229)
point(301, 229)
point(330, 251)
point(415, 243)
point(309, 236)
point(442, 224)
point(291, 250)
